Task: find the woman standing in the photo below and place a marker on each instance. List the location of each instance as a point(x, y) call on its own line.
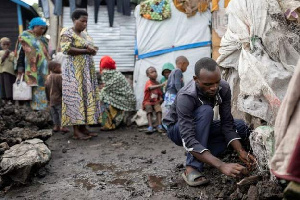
point(80, 94)
point(33, 59)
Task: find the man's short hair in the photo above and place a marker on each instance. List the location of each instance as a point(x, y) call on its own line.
point(205, 63)
point(78, 13)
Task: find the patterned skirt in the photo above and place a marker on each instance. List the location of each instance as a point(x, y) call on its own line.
point(111, 117)
point(80, 93)
point(39, 100)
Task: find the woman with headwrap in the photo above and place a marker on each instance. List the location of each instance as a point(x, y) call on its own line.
point(80, 93)
point(116, 95)
point(33, 59)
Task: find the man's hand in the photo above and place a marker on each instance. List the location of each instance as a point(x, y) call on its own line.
point(247, 158)
point(232, 169)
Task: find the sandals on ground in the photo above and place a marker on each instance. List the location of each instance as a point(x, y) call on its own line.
point(190, 178)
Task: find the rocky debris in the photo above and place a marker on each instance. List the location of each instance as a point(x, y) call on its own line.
point(17, 135)
point(252, 190)
point(252, 193)
point(19, 161)
point(39, 118)
point(42, 172)
point(246, 183)
point(12, 116)
point(269, 190)
point(3, 147)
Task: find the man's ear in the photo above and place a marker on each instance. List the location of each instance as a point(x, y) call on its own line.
point(195, 78)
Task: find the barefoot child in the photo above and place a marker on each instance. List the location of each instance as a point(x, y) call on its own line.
point(7, 73)
point(53, 86)
point(152, 100)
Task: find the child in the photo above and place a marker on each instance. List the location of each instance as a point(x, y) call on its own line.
point(53, 86)
point(175, 80)
point(7, 73)
point(152, 100)
point(166, 70)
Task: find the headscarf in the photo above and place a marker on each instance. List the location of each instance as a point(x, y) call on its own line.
point(37, 21)
point(168, 66)
point(107, 62)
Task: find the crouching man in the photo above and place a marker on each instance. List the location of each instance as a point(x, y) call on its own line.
point(190, 124)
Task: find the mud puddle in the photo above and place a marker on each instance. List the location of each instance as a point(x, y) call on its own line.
point(100, 167)
point(84, 183)
point(155, 183)
point(120, 181)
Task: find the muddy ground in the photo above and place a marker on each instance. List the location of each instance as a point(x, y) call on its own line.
point(126, 164)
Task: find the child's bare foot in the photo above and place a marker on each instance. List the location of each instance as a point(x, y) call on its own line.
point(56, 128)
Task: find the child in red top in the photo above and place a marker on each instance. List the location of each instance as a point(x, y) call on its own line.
point(153, 99)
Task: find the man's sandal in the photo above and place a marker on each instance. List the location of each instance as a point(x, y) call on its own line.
point(190, 178)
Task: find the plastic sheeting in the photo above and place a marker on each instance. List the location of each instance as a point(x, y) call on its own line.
point(256, 48)
point(176, 31)
point(262, 143)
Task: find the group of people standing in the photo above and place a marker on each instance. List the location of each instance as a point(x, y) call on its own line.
point(69, 88)
point(75, 99)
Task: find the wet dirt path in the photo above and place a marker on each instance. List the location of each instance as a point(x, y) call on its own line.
point(121, 164)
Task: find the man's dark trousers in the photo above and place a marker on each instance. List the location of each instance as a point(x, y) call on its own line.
point(208, 133)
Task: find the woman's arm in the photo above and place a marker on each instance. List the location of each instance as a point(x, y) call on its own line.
point(76, 51)
point(21, 62)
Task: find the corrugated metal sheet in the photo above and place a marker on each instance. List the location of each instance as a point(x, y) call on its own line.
point(9, 23)
point(9, 19)
point(117, 41)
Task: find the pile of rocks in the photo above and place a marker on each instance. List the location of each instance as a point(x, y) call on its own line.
point(12, 116)
point(22, 147)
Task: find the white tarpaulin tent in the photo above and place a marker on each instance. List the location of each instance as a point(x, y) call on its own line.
point(257, 50)
point(177, 35)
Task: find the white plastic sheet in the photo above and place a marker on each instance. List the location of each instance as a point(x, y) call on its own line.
point(252, 45)
point(140, 76)
point(176, 31)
